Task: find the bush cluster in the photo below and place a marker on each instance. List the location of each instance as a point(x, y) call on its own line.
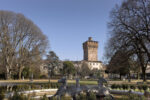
point(81, 96)
point(24, 87)
point(18, 96)
point(127, 86)
point(132, 87)
point(44, 97)
point(86, 96)
point(64, 97)
point(133, 97)
point(117, 86)
point(142, 87)
point(2, 91)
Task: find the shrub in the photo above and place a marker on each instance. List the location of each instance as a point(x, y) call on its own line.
point(81, 96)
point(135, 97)
point(44, 98)
point(33, 86)
point(53, 98)
point(118, 86)
point(2, 95)
point(66, 98)
point(132, 87)
point(21, 87)
point(52, 85)
point(17, 96)
point(49, 85)
point(108, 98)
point(58, 85)
point(14, 88)
point(43, 77)
point(113, 86)
point(26, 72)
point(125, 86)
point(139, 87)
point(130, 97)
point(3, 88)
point(26, 87)
point(91, 96)
point(144, 87)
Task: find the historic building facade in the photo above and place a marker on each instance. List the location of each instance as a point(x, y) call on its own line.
point(90, 54)
point(90, 49)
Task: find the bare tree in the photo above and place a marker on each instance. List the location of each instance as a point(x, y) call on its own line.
point(20, 41)
point(130, 29)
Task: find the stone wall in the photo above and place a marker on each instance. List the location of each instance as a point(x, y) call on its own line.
point(90, 48)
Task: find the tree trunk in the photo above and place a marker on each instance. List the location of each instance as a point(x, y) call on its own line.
point(8, 73)
point(144, 74)
point(143, 66)
point(49, 75)
point(8, 65)
point(20, 74)
point(137, 75)
point(20, 71)
point(120, 76)
point(143, 70)
point(129, 77)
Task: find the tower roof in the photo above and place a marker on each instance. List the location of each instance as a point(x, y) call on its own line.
point(90, 40)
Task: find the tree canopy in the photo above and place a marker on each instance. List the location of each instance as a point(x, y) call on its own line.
point(21, 42)
point(130, 31)
point(53, 63)
point(68, 68)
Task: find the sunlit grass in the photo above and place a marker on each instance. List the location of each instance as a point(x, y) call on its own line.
point(70, 81)
point(46, 81)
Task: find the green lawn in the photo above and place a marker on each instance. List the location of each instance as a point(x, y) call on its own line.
point(46, 81)
point(70, 81)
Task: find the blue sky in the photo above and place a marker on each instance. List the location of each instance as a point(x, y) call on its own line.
point(67, 23)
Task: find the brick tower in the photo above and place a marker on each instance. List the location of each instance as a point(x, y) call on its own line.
point(90, 49)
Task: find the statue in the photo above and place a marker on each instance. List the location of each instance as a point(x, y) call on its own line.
point(73, 90)
point(101, 81)
point(77, 83)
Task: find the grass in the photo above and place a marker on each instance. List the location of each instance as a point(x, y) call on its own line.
point(27, 80)
point(46, 81)
point(133, 82)
point(129, 97)
point(126, 82)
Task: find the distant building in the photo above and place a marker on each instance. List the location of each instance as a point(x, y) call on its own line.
point(90, 49)
point(148, 69)
point(90, 57)
point(44, 68)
